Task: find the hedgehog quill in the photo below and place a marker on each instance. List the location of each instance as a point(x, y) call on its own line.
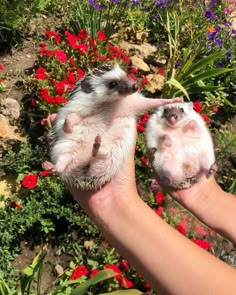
point(95, 130)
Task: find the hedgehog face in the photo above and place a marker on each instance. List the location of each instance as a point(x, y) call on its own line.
point(108, 82)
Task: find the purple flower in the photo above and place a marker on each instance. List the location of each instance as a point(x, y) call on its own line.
point(218, 41)
point(227, 24)
point(178, 63)
point(228, 54)
point(233, 31)
point(135, 3)
point(220, 65)
point(115, 1)
point(156, 17)
point(211, 35)
point(97, 7)
point(163, 3)
point(208, 14)
point(91, 2)
point(213, 3)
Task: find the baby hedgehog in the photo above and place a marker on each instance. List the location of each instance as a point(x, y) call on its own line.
point(95, 130)
point(180, 146)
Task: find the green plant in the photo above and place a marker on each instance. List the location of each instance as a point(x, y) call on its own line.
point(93, 16)
point(189, 76)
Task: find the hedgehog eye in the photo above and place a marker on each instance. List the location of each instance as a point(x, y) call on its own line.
point(182, 110)
point(165, 111)
point(112, 84)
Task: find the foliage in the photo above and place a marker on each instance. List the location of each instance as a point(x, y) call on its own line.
point(187, 65)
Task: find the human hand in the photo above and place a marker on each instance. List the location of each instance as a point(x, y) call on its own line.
point(121, 188)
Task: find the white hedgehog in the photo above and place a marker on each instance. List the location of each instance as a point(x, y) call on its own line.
point(95, 131)
point(180, 146)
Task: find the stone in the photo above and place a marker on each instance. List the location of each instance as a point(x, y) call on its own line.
point(10, 108)
point(145, 49)
point(139, 63)
point(8, 131)
point(156, 82)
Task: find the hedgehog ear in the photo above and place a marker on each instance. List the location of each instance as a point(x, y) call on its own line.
point(86, 86)
point(190, 105)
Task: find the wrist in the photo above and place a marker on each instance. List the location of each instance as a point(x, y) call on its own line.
point(213, 206)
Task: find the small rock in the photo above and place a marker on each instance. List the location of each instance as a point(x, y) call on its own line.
point(156, 82)
point(139, 64)
point(10, 108)
point(59, 269)
point(8, 131)
point(88, 244)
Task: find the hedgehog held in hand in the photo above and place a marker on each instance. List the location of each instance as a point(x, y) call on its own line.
point(180, 146)
point(95, 130)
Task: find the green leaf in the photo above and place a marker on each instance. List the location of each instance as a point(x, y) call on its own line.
point(121, 292)
point(202, 63)
point(208, 74)
point(176, 84)
point(101, 276)
point(197, 89)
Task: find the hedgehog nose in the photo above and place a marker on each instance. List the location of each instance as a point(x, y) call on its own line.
point(134, 87)
point(175, 116)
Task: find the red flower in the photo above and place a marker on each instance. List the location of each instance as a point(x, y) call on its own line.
point(206, 118)
point(33, 101)
point(132, 77)
point(182, 227)
point(40, 73)
point(80, 73)
point(125, 59)
point(124, 265)
point(134, 69)
point(46, 52)
point(82, 34)
point(45, 173)
point(60, 55)
point(42, 44)
point(101, 36)
point(161, 71)
point(93, 272)
point(197, 106)
point(140, 127)
point(92, 43)
point(83, 48)
point(124, 282)
point(30, 180)
point(78, 272)
point(144, 161)
point(159, 198)
point(54, 35)
point(1, 67)
point(203, 244)
point(144, 81)
point(159, 210)
point(16, 204)
point(73, 62)
point(113, 267)
point(71, 39)
point(215, 109)
point(199, 229)
point(71, 77)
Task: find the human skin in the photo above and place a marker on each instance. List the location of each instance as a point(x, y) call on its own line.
point(167, 260)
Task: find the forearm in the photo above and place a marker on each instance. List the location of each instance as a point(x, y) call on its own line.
point(213, 207)
point(170, 262)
